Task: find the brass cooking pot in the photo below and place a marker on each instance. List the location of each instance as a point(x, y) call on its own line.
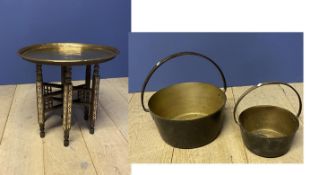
point(187, 115)
point(267, 131)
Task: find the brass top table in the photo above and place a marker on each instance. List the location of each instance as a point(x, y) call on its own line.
point(67, 55)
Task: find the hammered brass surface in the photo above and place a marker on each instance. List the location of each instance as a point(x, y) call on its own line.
point(68, 53)
point(187, 101)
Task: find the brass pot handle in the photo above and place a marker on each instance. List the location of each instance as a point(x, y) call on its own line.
point(263, 84)
point(162, 61)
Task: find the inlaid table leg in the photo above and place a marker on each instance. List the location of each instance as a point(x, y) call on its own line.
point(67, 104)
point(87, 88)
point(94, 98)
point(40, 99)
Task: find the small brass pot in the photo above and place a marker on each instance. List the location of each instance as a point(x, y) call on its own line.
point(268, 131)
point(187, 115)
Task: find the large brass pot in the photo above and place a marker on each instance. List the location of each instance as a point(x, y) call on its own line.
point(268, 131)
point(187, 115)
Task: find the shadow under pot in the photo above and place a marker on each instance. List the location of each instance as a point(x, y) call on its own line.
point(187, 115)
point(267, 130)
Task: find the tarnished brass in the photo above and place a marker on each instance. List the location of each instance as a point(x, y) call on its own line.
point(66, 55)
point(187, 115)
point(268, 131)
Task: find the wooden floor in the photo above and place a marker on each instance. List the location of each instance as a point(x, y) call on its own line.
point(146, 145)
point(22, 151)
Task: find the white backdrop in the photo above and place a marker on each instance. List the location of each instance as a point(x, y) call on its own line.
point(316, 20)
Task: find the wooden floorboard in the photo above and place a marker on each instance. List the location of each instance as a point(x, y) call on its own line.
point(130, 96)
point(292, 98)
point(107, 147)
point(121, 85)
point(22, 151)
point(75, 158)
point(6, 99)
point(146, 144)
point(114, 101)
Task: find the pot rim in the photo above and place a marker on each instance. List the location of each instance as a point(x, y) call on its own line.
point(281, 137)
point(200, 118)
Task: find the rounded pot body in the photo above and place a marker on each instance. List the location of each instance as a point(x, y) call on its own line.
point(190, 133)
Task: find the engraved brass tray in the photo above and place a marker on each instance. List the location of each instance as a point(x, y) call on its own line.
point(68, 53)
point(51, 96)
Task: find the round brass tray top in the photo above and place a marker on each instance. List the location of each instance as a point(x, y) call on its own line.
point(68, 53)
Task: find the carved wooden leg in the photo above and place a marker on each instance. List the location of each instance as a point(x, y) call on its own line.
point(87, 87)
point(67, 104)
point(94, 98)
point(40, 100)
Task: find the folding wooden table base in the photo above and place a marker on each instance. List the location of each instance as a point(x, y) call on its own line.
point(49, 99)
